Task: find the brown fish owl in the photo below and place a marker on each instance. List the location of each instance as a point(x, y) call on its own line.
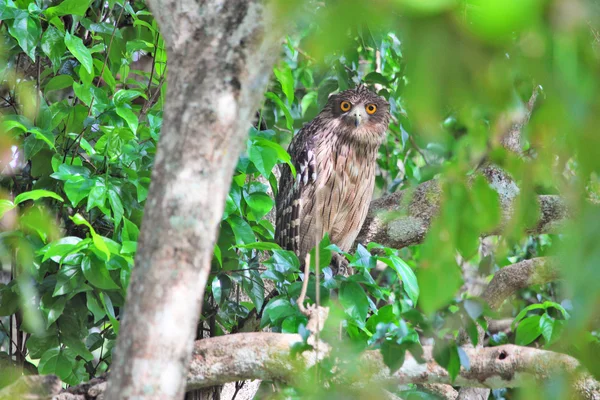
point(335, 157)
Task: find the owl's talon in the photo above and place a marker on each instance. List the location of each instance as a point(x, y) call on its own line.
point(339, 265)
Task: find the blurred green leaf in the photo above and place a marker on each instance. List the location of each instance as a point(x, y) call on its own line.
point(35, 195)
point(354, 300)
point(75, 7)
point(286, 79)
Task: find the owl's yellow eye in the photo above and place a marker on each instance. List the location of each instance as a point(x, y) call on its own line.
point(371, 108)
point(345, 106)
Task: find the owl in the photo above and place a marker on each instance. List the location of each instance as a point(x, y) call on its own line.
point(335, 157)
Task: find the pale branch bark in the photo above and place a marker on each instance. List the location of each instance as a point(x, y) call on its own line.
point(500, 325)
point(519, 276)
point(220, 55)
point(32, 387)
point(267, 356)
point(403, 218)
point(512, 139)
point(440, 390)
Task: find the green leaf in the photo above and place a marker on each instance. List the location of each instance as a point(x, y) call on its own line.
point(116, 205)
point(446, 354)
point(308, 99)
point(9, 300)
point(546, 327)
point(123, 96)
point(53, 45)
point(284, 261)
point(473, 308)
point(58, 249)
point(77, 346)
point(282, 154)
point(36, 194)
point(70, 172)
point(278, 309)
point(289, 120)
point(286, 79)
point(97, 274)
point(52, 307)
point(263, 158)
point(528, 330)
point(376, 77)
point(259, 203)
point(46, 136)
point(102, 27)
point(125, 112)
point(74, 7)
point(242, 231)
point(97, 196)
point(8, 10)
point(406, 274)
point(221, 287)
point(384, 315)
point(110, 311)
point(39, 344)
point(217, 254)
point(58, 82)
point(55, 362)
point(5, 206)
point(68, 279)
point(354, 300)
point(27, 30)
point(362, 258)
point(393, 355)
point(97, 239)
point(253, 286)
point(79, 51)
point(259, 246)
point(78, 189)
point(94, 306)
point(84, 93)
point(130, 231)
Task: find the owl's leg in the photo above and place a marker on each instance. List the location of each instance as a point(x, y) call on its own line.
point(339, 265)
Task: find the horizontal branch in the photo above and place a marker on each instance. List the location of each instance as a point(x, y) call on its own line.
point(403, 218)
point(521, 275)
point(267, 356)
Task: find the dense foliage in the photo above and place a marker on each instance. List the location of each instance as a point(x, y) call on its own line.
point(82, 89)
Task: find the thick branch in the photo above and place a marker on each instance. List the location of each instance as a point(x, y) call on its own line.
point(403, 218)
point(519, 276)
point(267, 356)
point(262, 355)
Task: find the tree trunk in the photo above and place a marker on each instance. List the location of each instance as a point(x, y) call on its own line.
point(220, 55)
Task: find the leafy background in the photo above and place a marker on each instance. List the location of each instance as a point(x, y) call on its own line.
point(82, 92)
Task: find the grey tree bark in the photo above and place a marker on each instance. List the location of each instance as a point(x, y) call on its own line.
point(220, 57)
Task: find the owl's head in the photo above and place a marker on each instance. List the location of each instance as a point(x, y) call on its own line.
point(359, 112)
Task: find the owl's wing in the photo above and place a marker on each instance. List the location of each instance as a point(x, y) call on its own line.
point(291, 189)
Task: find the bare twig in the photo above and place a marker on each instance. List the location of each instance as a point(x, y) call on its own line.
point(302, 296)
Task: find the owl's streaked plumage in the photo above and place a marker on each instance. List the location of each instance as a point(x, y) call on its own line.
point(335, 158)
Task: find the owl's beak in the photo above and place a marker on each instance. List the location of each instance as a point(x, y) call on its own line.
point(357, 118)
